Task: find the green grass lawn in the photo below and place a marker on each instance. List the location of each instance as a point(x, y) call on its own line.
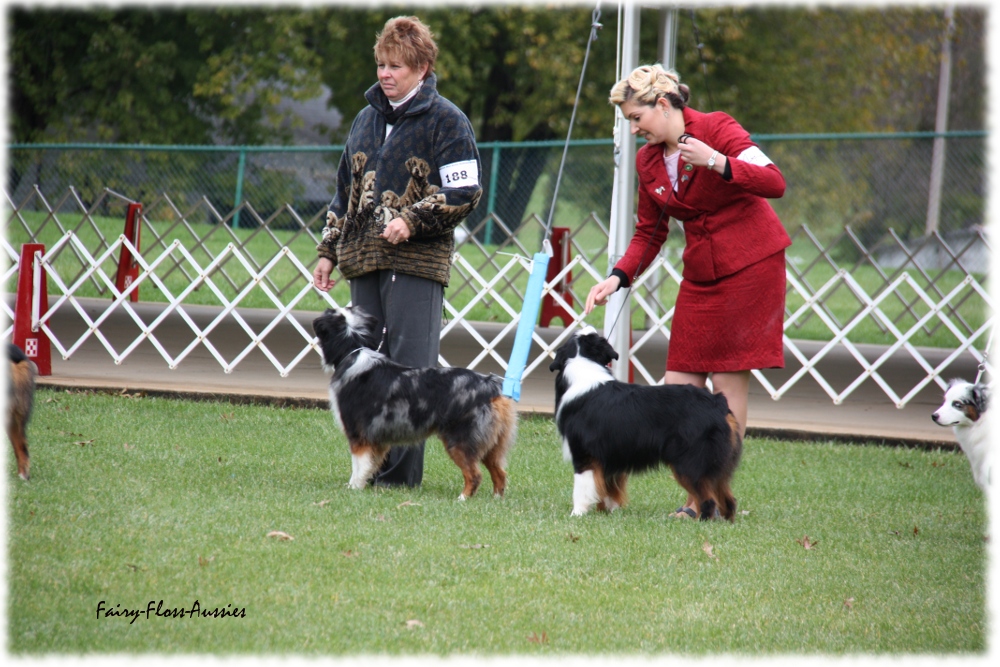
point(139, 499)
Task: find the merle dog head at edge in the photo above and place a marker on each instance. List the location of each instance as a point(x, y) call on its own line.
point(343, 331)
point(964, 404)
point(586, 343)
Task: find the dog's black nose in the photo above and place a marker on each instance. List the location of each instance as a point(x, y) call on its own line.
point(935, 417)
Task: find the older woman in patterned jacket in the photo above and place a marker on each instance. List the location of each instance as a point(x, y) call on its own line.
point(408, 176)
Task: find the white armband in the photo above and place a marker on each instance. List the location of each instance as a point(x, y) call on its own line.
point(755, 156)
point(460, 174)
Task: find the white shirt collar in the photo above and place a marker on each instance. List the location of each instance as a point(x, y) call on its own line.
point(409, 95)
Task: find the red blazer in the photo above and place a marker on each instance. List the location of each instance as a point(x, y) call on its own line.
point(728, 224)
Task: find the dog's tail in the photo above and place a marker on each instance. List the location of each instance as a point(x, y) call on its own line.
point(727, 502)
point(501, 441)
point(735, 441)
point(505, 426)
point(722, 491)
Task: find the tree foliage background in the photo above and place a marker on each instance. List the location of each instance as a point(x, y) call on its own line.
point(197, 75)
point(225, 74)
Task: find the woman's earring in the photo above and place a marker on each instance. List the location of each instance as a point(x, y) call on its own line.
point(666, 114)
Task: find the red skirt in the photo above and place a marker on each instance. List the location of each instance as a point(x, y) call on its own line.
point(731, 324)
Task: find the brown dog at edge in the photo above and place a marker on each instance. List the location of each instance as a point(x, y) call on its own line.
point(20, 398)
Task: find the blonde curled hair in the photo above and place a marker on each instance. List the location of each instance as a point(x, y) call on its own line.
point(648, 83)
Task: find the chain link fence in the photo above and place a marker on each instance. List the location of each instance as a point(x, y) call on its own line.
point(871, 182)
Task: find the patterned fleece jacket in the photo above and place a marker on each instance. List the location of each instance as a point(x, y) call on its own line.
point(426, 172)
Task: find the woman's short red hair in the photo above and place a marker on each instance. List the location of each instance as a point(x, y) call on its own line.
point(408, 39)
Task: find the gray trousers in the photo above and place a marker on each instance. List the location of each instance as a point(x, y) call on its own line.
point(411, 309)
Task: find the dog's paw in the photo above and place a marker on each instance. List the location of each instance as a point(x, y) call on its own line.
point(578, 511)
point(357, 484)
point(461, 497)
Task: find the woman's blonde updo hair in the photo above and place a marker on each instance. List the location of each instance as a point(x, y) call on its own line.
point(648, 83)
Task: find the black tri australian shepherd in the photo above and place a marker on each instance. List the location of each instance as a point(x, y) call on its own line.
point(611, 429)
point(379, 403)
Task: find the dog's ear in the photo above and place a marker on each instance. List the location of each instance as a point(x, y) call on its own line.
point(320, 323)
point(559, 363)
point(981, 397)
point(565, 352)
point(361, 326)
point(599, 349)
point(609, 351)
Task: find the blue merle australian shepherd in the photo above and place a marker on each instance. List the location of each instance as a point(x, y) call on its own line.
point(380, 404)
point(611, 429)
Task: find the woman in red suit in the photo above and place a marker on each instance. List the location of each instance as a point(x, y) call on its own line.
point(703, 170)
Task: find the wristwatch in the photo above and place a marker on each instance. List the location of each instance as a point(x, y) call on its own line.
point(711, 160)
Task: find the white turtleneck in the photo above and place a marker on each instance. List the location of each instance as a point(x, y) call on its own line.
point(409, 96)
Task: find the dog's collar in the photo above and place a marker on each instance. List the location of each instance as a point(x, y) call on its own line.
point(357, 349)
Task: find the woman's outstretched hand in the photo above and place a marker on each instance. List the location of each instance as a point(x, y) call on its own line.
point(600, 292)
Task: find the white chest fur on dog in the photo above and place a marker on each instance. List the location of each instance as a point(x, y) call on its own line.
point(582, 375)
point(965, 410)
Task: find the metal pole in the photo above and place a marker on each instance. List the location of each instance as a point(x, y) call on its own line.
point(240, 171)
point(940, 126)
point(668, 37)
point(622, 223)
point(667, 51)
point(491, 200)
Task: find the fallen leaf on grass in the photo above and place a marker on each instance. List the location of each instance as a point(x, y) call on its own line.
point(205, 561)
point(139, 394)
point(535, 639)
point(280, 535)
point(348, 554)
point(407, 503)
point(915, 530)
point(807, 543)
point(473, 546)
point(849, 603)
point(413, 624)
point(707, 548)
point(323, 503)
point(573, 538)
point(227, 417)
point(83, 443)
